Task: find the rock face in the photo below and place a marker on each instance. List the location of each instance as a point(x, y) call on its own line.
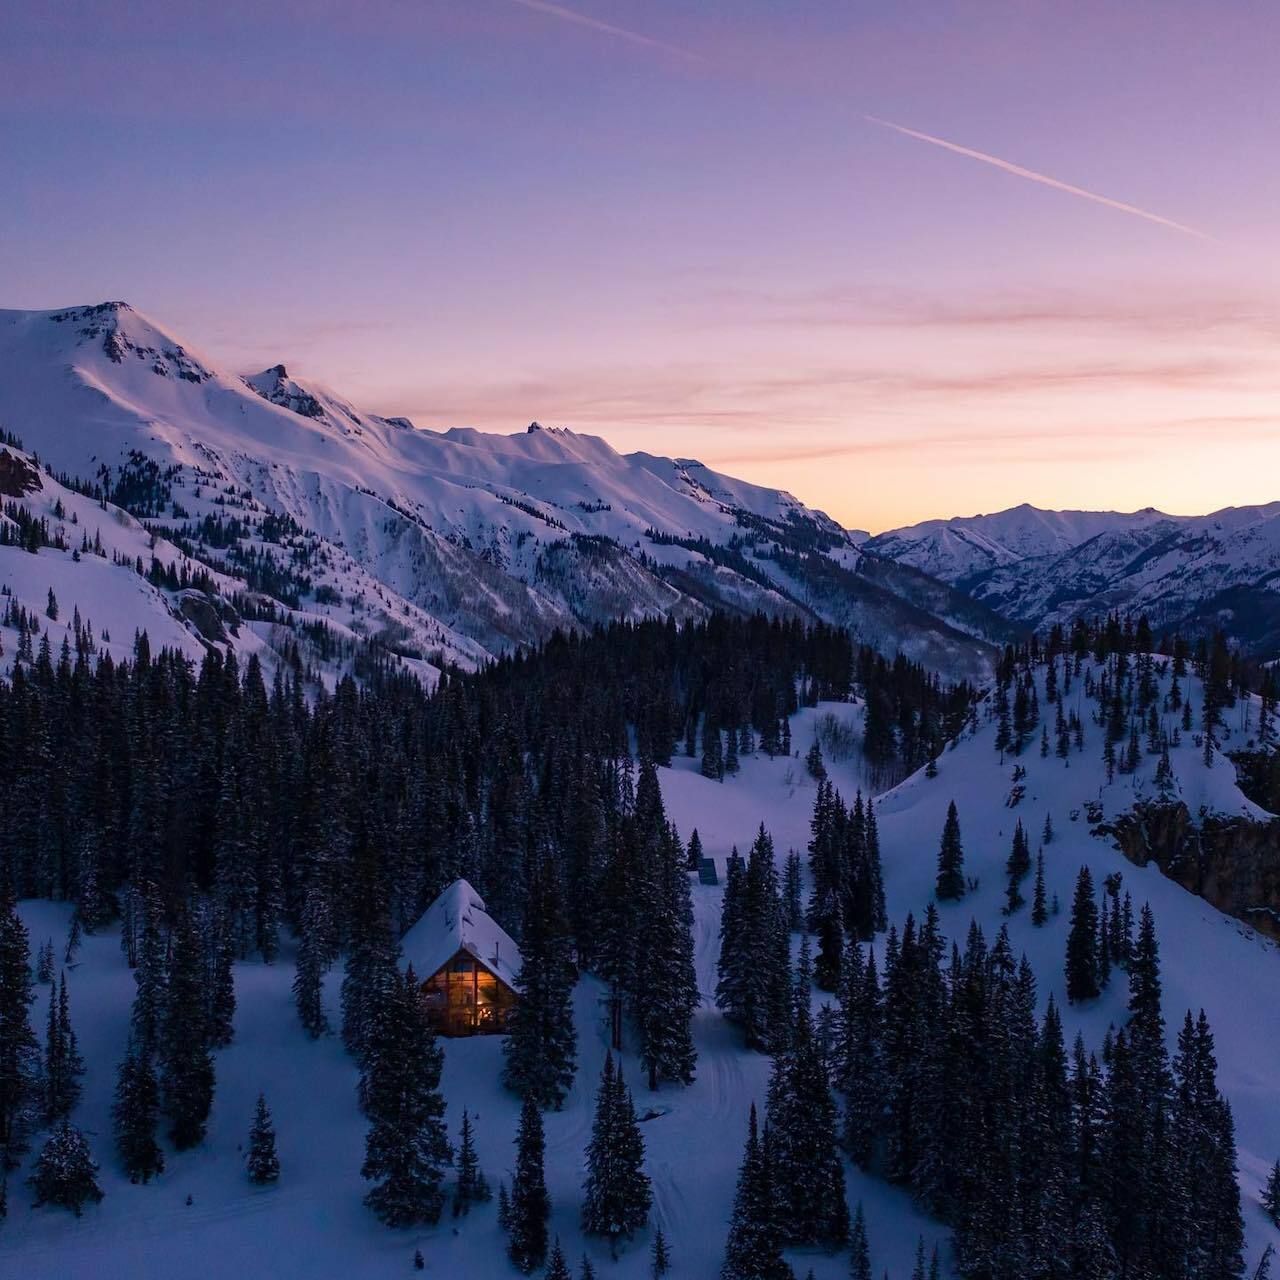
point(1231, 862)
point(18, 477)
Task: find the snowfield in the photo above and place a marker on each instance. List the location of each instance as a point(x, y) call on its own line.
point(312, 1224)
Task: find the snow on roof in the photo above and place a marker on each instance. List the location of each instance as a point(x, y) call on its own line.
point(457, 921)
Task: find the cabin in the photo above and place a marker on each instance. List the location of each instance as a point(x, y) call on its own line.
point(467, 962)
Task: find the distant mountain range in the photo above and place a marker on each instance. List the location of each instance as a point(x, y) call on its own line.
point(334, 528)
point(1033, 567)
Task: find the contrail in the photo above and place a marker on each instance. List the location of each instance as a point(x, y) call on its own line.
point(595, 24)
point(1032, 176)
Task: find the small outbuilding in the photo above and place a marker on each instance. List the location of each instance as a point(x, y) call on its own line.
point(467, 962)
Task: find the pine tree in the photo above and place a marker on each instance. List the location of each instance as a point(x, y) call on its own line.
point(588, 1272)
point(1082, 942)
point(541, 1045)
point(557, 1267)
point(665, 992)
point(694, 856)
point(529, 1207)
point(813, 762)
point(1039, 908)
point(754, 1248)
point(659, 1256)
point(616, 1193)
point(313, 961)
point(1271, 1194)
point(802, 1120)
point(950, 884)
point(63, 1065)
point(66, 1173)
point(19, 1049)
point(1018, 867)
point(473, 1187)
point(407, 1147)
point(504, 1207)
point(859, 1252)
point(263, 1163)
point(187, 1074)
point(136, 1113)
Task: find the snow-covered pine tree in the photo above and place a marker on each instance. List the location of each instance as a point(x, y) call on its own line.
point(221, 983)
point(616, 1192)
point(66, 1173)
point(261, 1160)
point(407, 1146)
point(541, 1045)
point(187, 1066)
point(19, 1048)
point(136, 1113)
point(530, 1206)
point(753, 1250)
point(1082, 942)
point(950, 885)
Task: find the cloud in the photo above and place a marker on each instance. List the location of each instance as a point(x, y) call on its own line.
point(1134, 306)
point(607, 28)
point(1032, 176)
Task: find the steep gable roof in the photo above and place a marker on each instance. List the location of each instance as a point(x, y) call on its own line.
point(457, 921)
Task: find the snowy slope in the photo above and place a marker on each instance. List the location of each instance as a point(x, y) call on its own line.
point(313, 1224)
point(497, 539)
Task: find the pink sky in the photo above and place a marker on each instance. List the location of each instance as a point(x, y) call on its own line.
point(687, 228)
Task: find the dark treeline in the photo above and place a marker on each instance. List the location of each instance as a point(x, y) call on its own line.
point(1049, 1162)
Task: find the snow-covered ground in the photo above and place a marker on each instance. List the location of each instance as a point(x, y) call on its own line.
point(313, 1223)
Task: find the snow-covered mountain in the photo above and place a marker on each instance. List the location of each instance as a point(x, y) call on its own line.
point(958, 548)
point(1040, 567)
point(441, 546)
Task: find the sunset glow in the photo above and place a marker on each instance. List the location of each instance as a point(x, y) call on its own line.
point(906, 261)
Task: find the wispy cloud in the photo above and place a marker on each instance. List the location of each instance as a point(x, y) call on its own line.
point(1032, 176)
point(606, 28)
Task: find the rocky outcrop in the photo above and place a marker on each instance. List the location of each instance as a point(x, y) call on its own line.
point(1232, 862)
point(212, 616)
point(18, 477)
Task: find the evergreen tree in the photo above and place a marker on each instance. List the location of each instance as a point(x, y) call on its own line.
point(187, 1067)
point(63, 1065)
point(136, 1113)
point(473, 1187)
point(802, 1120)
point(529, 1207)
point(541, 1045)
point(616, 1193)
point(407, 1147)
point(1082, 942)
point(263, 1163)
point(754, 1247)
point(950, 884)
point(1039, 908)
point(1271, 1194)
point(65, 1173)
point(19, 1049)
point(1018, 867)
point(694, 856)
point(859, 1252)
point(659, 1256)
point(557, 1267)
